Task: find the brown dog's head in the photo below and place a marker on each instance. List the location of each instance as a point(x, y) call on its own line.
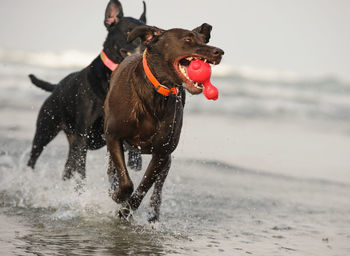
point(175, 48)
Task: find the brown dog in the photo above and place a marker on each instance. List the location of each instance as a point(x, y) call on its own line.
point(144, 107)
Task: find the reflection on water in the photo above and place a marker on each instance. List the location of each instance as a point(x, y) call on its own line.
point(79, 238)
point(40, 234)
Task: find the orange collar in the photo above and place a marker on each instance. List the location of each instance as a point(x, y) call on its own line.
point(108, 62)
point(162, 89)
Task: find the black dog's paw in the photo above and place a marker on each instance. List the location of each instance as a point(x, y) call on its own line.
point(125, 212)
point(114, 189)
point(113, 179)
point(153, 216)
point(153, 219)
point(134, 160)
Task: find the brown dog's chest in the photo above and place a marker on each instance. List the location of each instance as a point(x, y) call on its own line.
point(154, 134)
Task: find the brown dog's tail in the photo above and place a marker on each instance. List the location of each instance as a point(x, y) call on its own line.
point(42, 84)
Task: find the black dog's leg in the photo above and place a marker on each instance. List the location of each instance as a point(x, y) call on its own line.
point(112, 177)
point(156, 172)
point(47, 127)
point(135, 160)
point(76, 161)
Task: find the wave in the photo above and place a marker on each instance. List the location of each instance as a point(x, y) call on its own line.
point(79, 59)
point(63, 59)
point(257, 74)
point(270, 75)
point(223, 166)
point(244, 91)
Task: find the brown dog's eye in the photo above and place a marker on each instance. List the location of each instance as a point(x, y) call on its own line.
point(188, 39)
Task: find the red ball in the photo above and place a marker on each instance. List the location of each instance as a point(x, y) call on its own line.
point(211, 92)
point(199, 71)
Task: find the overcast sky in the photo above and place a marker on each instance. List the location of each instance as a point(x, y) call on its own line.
point(311, 37)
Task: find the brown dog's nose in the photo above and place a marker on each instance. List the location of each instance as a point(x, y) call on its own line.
point(217, 52)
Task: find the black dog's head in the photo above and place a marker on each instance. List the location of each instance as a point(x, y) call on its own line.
point(176, 48)
point(116, 46)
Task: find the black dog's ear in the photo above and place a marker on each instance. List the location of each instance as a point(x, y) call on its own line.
point(143, 15)
point(146, 33)
point(204, 29)
point(114, 12)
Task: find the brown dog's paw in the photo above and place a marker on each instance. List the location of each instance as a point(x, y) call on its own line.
point(122, 193)
point(117, 197)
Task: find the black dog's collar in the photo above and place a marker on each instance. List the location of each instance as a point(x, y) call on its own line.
point(108, 62)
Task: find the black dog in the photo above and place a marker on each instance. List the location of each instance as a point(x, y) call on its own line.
point(144, 107)
point(76, 103)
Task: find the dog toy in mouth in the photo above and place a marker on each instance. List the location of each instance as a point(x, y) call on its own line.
point(200, 71)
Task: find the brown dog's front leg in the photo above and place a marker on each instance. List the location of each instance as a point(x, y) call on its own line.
point(156, 172)
point(117, 163)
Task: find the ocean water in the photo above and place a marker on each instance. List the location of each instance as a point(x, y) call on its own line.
point(262, 171)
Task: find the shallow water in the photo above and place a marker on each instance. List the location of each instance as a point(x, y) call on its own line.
point(209, 209)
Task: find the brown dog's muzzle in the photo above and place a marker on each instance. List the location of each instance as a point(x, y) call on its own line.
point(210, 54)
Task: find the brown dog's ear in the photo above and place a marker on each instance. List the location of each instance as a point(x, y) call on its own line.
point(204, 29)
point(114, 12)
point(146, 33)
